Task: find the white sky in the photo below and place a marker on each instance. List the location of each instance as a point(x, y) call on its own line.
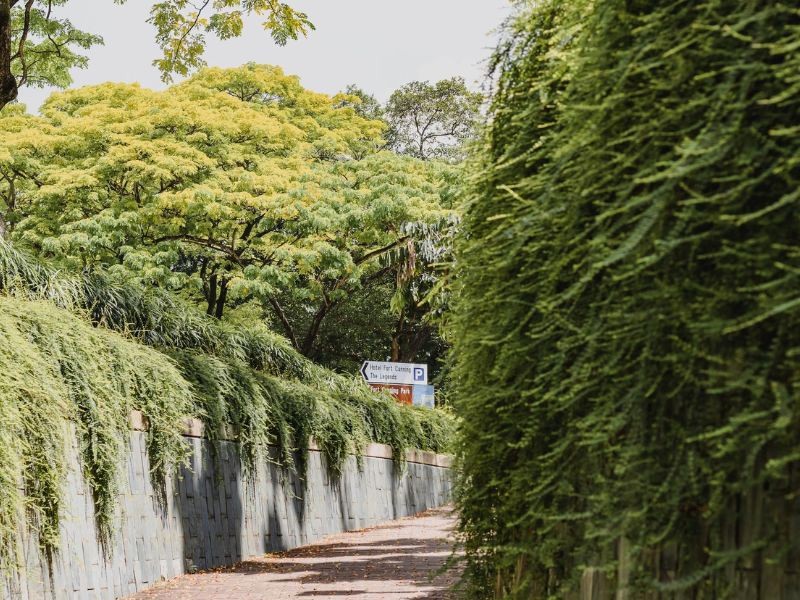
point(376, 44)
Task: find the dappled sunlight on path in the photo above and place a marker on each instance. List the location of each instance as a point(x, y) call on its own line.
point(399, 560)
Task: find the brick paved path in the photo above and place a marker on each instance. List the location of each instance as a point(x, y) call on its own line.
point(395, 561)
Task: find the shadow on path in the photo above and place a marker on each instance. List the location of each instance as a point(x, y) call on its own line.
point(399, 560)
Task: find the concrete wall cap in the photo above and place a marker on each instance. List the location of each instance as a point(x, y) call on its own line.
point(195, 428)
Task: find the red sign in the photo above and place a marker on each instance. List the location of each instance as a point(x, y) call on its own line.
point(402, 393)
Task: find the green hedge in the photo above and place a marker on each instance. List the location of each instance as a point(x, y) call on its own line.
point(627, 334)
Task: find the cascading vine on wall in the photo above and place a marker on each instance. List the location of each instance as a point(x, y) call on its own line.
point(56, 365)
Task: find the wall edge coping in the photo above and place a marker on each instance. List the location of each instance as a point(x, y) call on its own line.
point(194, 428)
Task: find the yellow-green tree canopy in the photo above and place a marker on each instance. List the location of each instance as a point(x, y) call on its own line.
point(235, 184)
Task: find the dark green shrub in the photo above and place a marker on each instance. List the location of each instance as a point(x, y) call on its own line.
point(627, 338)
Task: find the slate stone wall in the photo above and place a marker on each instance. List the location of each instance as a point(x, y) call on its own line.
point(213, 517)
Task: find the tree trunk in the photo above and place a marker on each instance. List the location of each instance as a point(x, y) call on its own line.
point(8, 83)
point(216, 295)
point(410, 351)
point(287, 326)
point(313, 330)
point(397, 336)
point(221, 299)
point(11, 204)
point(211, 295)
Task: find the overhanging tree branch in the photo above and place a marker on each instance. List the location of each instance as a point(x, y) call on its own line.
point(379, 251)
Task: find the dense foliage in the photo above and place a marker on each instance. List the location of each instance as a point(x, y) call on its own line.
point(53, 367)
point(238, 186)
point(54, 364)
point(627, 340)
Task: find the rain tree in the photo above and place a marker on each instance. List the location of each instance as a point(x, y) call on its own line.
point(38, 47)
point(397, 314)
point(364, 103)
point(236, 186)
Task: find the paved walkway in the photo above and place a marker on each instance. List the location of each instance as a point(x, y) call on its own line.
point(395, 561)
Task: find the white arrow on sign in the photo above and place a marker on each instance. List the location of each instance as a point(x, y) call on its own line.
point(392, 372)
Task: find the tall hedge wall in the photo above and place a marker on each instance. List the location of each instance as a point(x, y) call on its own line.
point(627, 339)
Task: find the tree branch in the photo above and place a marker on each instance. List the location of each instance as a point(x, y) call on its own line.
point(20, 54)
point(186, 33)
point(287, 326)
point(26, 26)
point(370, 255)
point(206, 243)
point(316, 324)
point(249, 227)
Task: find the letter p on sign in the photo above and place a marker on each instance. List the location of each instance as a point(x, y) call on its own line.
point(419, 374)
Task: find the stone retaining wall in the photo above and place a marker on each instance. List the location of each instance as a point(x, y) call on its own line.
point(213, 517)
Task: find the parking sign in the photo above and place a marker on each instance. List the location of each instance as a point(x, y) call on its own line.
point(394, 373)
